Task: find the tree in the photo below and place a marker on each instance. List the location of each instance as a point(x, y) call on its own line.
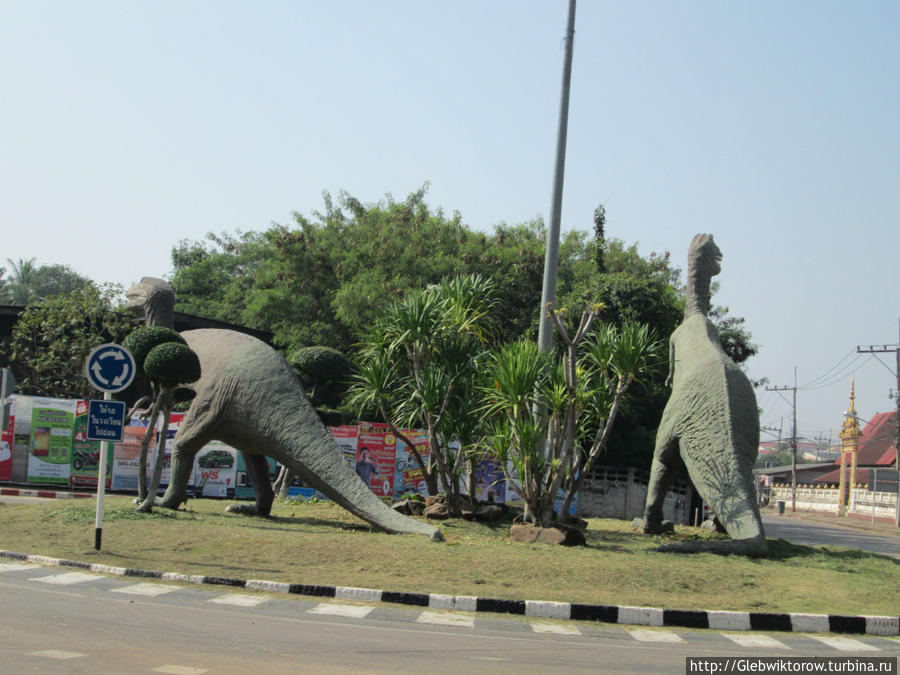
point(541, 408)
point(419, 368)
point(164, 357)
point(53, 337)
point(22, 287)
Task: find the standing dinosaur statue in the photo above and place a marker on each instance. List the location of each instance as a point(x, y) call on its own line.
point(249, 397)
point(711, 419)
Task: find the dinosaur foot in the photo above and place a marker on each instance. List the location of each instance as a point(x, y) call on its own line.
point(243, 508)
point(753, 548)
point(653, 527)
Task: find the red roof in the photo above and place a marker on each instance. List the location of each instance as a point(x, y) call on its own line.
point(878, 444)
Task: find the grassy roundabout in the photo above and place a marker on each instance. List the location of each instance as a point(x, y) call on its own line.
point(321, 543)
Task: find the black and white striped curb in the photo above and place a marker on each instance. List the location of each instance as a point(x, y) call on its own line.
point(618, 614)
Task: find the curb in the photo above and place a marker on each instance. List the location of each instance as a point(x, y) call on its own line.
point(44, 494)
point(637, 616)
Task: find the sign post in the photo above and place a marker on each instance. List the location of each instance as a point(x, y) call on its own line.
point(109, 368)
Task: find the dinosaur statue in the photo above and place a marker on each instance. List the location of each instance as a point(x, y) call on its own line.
point(711, 420)
point(249, 397)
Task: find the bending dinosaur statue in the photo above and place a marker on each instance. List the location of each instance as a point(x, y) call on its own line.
point(711, 419)
point(250, 398)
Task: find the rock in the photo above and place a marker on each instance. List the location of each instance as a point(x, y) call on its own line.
point(431, 500)
point(557, 536)
point(489, 513)
point(437, 511)
point(409, 507)
point(712, 525)
point(665, 527)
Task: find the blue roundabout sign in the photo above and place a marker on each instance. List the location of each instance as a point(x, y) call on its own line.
point(110, 368)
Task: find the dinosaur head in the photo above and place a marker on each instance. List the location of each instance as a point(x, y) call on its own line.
point(704, 257)
point(154, 300)
point(704, 262)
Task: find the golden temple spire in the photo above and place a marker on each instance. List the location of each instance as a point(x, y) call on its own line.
point(850, 427)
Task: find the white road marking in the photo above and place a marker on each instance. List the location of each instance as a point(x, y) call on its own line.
point(12, 567)
point(445, 619)
point(57, 654)
point(763, 641)
point(355, 611)
point(554, 628)
point(240, 600)
point(654, 635)
point(149, 590)
point(846, 644)
point(180, 670)
point(66, 579)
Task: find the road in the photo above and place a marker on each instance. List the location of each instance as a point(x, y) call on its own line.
point(812, 533)
point(60, 621)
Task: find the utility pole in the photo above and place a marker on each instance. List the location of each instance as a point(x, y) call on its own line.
point(881, 349)
point(793, 441)
point(551, 258)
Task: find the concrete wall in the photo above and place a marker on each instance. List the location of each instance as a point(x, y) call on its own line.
point(825, 500)
point(613, 492)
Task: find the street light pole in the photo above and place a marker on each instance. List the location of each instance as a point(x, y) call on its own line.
point(551, 258)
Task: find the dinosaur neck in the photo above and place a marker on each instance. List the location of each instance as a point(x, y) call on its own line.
point(154, 315)
point(697, 296)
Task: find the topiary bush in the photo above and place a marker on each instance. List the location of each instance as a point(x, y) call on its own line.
point(171, 364)
point(142, 340)
point(324, 372)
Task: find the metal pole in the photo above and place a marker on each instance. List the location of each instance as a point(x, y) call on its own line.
point(101, 486)
point(794, 451)
point(551, 259)
point(897, 430)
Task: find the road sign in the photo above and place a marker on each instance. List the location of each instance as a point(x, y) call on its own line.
point(106, 421)
point(110, 368)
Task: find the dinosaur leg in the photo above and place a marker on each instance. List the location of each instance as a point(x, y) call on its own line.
point(192, 435)
point(258, 470)
point(716, 470)
point(661, 473)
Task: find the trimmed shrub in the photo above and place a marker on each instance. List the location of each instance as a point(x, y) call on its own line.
point(142, 340)
point(171, 364)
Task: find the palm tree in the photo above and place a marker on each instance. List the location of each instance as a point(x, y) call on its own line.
point(22, 287)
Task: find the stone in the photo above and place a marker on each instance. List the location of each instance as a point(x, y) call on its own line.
point(489, 513)
point(437, 511)
point(556, 536)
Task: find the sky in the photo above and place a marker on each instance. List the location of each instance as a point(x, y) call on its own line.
point(129, 125)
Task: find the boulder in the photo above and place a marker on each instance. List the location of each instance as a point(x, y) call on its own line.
point(557, 536)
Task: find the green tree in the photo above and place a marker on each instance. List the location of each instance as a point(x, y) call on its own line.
point(550, 417)
point(22, 288)
point(53, 337)
point(419, 368)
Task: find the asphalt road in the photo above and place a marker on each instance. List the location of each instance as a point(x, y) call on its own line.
point(812, 533)
point(59, 621)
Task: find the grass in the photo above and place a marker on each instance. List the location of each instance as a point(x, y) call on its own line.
point(323, 544)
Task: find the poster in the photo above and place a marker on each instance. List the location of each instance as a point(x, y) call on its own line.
point(376, 449)
point(243, 488)
point(85, 453)
point(346, 436)
point(50, 441)
point(215, 470)
point(7, 441)
point(408, 475)
point(490, 484)
point(126, 455)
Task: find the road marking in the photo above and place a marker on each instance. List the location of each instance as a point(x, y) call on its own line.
point(354, 611)
point(66, 578)
point(57, 654)
point(240, 600)
point(763, 641)
point(654, 635)
point(554, 628)
point(444, 619)
point(12, 567)
point(150, 590)
point(846, 644)
point(180, 670)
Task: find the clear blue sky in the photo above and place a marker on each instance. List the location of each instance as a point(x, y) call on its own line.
point(129, 125)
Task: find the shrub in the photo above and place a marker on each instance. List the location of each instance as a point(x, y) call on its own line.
point(171, 364)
